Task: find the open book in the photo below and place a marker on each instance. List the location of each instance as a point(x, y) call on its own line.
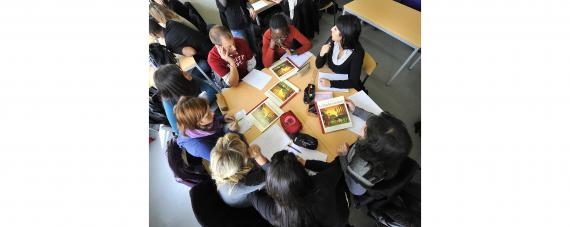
point(264, 114)
point(333, 114)
point(284, 69)
point(282, 92)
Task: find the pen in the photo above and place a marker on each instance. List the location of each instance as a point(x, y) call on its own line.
point(295, 149)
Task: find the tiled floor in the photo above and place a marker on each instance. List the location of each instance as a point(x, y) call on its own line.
point(169, 200)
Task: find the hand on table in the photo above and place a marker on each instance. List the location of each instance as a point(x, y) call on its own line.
point(343, 149)
point(255, 152)
point(350, 105)
point(325, 82)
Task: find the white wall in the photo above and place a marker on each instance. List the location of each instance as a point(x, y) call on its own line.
point(207, 9)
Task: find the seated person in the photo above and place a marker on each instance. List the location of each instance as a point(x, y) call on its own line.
point(199, 127)
point(231, 57)
point(377, 155)
point(186, 41)
point(343, 53)
point(278, 40)
point(293, 198)
point(173, 83)
point(235, 173)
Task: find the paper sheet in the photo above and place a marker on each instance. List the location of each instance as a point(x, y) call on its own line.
point(257, 79)
point(300, 60)
point(322, 95)
point(243, 122)
point(362, 100)
point(332, 76)
point(272, 140)
point(307, 154)
point(258, 5)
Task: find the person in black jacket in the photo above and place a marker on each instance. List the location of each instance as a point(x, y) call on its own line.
point(186, 11)
point(375, 159)
point(186, 41)
point(295, 199)
point(303, 14)
point(238, 16)
point(343, 53)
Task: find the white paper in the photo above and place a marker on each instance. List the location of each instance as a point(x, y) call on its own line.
point(322, 95)
point(258, 5)
point(243, 122)
point(307, 154)
point(301, 59)
point(362, 100)
point(272, 140)
point(332, 76)
point(257, 79)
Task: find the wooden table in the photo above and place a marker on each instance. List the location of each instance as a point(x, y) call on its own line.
point(397, 20)
point(244, 96)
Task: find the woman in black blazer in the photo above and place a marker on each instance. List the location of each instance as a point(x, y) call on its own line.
point(295, 199)
point(343, 53)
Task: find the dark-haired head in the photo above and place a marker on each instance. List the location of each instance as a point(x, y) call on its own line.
point(347, 31)
point(386, 143)
point(173, 83)
point(279, 27)
point(289, 185)
point(154, 28)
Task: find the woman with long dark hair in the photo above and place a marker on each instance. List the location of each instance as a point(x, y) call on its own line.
point(375, 158)
point(295, 199)
point(173, 83)
point(343, 53)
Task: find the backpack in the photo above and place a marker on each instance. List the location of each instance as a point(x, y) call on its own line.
point(192, 172)
point(156, 113)
point(160, 55)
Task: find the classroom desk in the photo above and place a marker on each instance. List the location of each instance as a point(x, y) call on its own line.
point(247, 97)
point(397, 20)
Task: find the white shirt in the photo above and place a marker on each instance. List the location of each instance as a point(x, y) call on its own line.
point(292, 4)
point(336, 51)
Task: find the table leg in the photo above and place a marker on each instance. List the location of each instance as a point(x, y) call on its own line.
point(402, 67)
point(415, 62)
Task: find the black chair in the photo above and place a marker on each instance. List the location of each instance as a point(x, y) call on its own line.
point(383, 192)
point(210, 209)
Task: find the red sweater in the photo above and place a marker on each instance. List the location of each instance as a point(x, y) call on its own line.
point(270, 55)
point(221, 67)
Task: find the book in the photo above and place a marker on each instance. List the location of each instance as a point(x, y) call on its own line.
point(264, 114)
point(282, 92)
point(257, 79)
point(284, 69)
point(333, 114)
point(362, 100)
point(275, 139)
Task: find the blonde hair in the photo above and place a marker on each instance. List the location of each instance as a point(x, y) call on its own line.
point(229, 161)
point(163, 14)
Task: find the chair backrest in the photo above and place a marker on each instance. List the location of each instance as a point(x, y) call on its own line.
point(368, 64)
point(210, 210)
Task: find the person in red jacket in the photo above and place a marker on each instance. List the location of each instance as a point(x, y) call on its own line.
point(278, 40)
point(231, 58)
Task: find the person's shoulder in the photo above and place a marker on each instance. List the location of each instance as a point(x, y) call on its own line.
point(267, 33)
point(213, 53)
point(240, 41)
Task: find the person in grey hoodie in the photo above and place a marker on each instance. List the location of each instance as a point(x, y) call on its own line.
point(234, 170)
